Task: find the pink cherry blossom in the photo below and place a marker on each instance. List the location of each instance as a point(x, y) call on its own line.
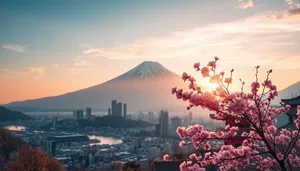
point(196, 66)
point(254, 87)
point(227, 127)
point(205, 72)
point(237, 107)
point(167, 157)
point(212, 64)
point(215, 79)
point(228, 80)
point(182, 143)
point(207, 154)
point(250, 119)
point(174, 90)
point(185, 76)
point(193, 156)
point(280, 156)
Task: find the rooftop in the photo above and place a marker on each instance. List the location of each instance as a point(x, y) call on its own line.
point(292, 101)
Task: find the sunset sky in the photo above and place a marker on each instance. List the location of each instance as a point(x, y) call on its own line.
point(53, 47)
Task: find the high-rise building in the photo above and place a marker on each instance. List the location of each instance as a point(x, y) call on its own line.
point(125, 110)
point(164, 123)
point(74, 114)
point(175, 123)
point(54, 123)
point(109, 111)
point(119, 109)
point(157, 130)
point(78, 114)
point(150, 116)
point(116, 108)
point(88, 113)
point(141, 116)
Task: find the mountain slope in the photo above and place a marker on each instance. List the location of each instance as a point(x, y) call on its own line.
point(145, 87)
point(8, 115)
point(291, 91)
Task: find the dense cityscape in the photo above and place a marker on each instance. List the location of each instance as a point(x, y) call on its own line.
point(149, 85)
point(104, 148)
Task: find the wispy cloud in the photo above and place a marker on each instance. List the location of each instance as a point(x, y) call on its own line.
point(237, 38)
point(244, 4)
point(292, 12)
point(292, 4)
point(31, 71)
point(79, 61)
point(36, 71)
point(285, 14)
point(15, 47)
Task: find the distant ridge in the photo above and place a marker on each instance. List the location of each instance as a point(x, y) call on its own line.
point(8, 115)
point(291, 91)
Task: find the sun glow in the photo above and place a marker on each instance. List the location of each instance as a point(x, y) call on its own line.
point(209, 86)
point(213, 85)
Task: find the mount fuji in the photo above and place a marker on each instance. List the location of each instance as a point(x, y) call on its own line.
point(147, 87)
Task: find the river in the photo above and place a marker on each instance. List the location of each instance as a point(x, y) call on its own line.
point(102, 140)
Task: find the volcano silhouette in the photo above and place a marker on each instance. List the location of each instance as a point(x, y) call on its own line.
point(147, 87)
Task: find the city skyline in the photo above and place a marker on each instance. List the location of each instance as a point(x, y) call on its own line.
point(69, 46)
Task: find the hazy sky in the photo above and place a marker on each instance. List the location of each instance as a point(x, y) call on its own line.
point(53, 47)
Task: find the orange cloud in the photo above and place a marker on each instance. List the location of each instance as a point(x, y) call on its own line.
point(244, 4)
point(291, 13)
point(292, 4)
point(294, 12)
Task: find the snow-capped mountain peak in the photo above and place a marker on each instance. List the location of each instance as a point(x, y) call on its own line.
point(147, 69)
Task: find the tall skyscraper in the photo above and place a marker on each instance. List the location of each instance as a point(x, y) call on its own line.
point(54, 123)
point(114, 107)
point(78, 114)
point(150, 116)
point(125, 110)
point(88, 113)
point(157, 130)
point(74, 114)
point(119, 109)
point(109, 111)
point(175, 123)
point(164, 123)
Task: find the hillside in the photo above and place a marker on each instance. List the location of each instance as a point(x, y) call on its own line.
point(8, 115)
point(291, 91)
